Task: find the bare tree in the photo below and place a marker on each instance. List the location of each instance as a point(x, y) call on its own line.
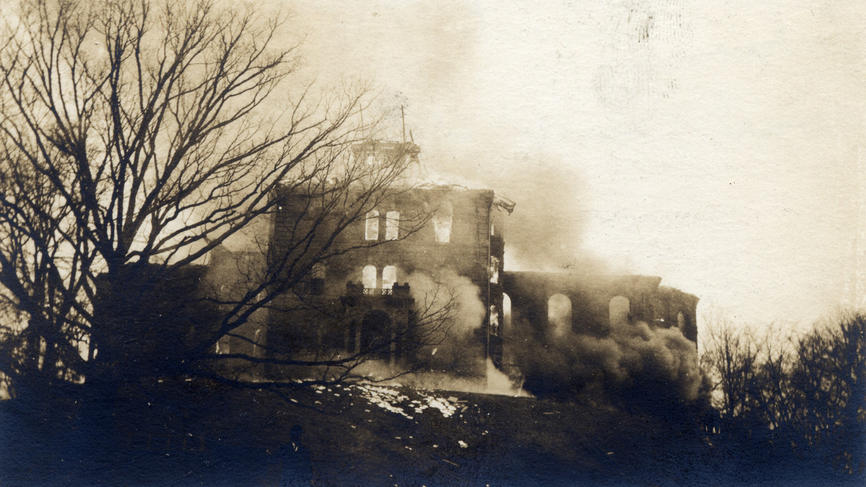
point(41, 331)
point(770, 388)
point(730, 359)
point(828, 389)
point(135, 138)
point(805, 397)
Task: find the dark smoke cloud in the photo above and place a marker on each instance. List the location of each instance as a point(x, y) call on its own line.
point(626, 360)
point(632, 361)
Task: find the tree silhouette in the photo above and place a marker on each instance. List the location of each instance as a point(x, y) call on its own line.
point(805, 398)
point(136, 138)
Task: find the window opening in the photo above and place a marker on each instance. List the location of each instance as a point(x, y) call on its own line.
point(392, 225)
point(619, 309)
point(559, 313)
point(506, 311)
point(256, 338)
point(389, 277)
point(368, 278)
point(371, 231)
point(494, 320)
point(442, 220)
point(494, 270)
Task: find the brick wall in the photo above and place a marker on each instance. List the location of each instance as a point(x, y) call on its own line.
point(591, 297)
point(416, 250)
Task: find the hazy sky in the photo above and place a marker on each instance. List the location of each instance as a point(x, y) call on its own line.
point(716, 146)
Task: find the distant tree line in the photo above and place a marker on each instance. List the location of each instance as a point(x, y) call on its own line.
point(801, 400)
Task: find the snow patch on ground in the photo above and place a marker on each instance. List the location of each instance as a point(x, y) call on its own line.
point(429, 401)
point(392, 400)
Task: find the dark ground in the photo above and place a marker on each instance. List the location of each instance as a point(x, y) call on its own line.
point(194, 434)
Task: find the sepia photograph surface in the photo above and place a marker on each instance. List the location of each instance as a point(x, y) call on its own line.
point(404, 243)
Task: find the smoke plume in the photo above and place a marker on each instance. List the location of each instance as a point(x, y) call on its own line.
point(454, 301)
point(632, 361)
point(453, 359)
point(447, 289)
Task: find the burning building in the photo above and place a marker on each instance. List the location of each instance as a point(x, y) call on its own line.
point(420, 241)
point(414, 244)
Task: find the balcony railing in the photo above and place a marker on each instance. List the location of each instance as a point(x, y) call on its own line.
point(376, 291)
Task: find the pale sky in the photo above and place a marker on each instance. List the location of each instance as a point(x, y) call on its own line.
point(716, 146)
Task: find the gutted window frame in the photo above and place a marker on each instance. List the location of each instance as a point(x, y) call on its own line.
point(392, 225)
point(369, 276)
point(371, 225)
point(389, 278)
point(443, 222)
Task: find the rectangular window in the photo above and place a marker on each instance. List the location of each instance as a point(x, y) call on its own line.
point(317, 279)
point(371, 229)
point(223, 345)
point(392, 225)
point(494, 270)
point(256, 342)
point(442, 222)
point(494, 320)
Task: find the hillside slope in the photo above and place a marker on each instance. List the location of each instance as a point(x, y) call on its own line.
point(368, 435)
point(386, 435)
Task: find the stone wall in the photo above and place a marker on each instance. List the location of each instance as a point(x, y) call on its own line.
point(416, 245)
point(597, 300)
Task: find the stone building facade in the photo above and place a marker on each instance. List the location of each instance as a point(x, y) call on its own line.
point(418, 231)
point(591, 304)
point(361, 300)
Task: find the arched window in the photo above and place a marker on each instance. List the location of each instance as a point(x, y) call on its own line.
point(506, 311)
point(389, 277)
point(371, 230)
point(619, 309)
point(368, 277)
point(392, 225)
point(559, 313)
point(681, 321)
point(376, 336)
point(442, 222)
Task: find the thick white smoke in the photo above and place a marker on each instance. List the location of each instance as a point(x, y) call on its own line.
point(454, 360)
point(457, 312)
point(447, 289)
